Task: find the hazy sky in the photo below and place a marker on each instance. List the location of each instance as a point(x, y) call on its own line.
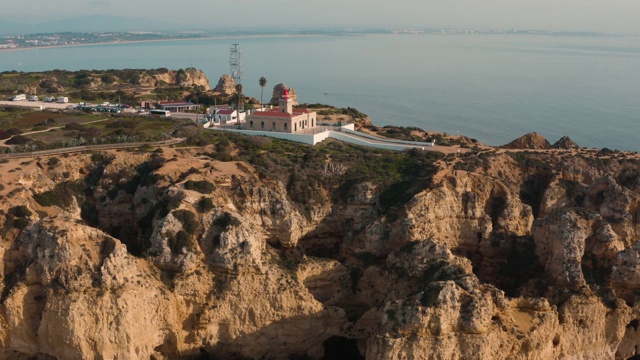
point(585, 15)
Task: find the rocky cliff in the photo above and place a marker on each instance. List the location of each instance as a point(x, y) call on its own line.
point(226, 85)
point(277, 94)
point(258, 248)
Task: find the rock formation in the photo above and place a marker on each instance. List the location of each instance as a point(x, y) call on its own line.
point(226, 85)
point(277, 94)
point(565, 142)
point(299, 252)
point(528, 141)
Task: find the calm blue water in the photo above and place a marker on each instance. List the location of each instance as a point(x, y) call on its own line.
point(490, 87)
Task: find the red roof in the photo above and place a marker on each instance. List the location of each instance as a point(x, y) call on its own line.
point(177, 103)
point(225, 112)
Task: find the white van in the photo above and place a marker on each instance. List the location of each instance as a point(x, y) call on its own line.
point(19, 97)
point(33, 98)
point(62, 100)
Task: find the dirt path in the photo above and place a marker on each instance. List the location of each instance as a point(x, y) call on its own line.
point(69, 150)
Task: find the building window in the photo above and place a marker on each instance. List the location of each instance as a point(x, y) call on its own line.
point(274, 126)
point(251, 124)
point(285, 126)
point(261, 124)
point(295, 127)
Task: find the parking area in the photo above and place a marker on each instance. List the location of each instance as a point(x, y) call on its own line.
point(41, 105)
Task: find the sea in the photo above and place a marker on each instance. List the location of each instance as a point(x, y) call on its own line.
point(493, 88)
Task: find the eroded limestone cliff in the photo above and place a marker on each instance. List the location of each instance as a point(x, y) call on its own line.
point(291, 252)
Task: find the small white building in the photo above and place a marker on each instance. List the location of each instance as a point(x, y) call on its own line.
point(228, 116)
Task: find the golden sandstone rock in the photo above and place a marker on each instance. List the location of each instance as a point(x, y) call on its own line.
point(531, 256)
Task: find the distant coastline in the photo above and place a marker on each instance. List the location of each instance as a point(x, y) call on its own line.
point(258, 36)
point(170, 36)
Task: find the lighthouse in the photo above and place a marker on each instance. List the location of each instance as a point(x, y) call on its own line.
point(286, 104)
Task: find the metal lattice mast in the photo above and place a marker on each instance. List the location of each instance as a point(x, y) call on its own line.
point(236, 63)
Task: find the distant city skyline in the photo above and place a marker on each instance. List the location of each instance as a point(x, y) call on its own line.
point(617, 16)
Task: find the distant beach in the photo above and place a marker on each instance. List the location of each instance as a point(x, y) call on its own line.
point(169, 40)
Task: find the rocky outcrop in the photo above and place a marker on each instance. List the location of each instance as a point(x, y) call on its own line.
point(67, 275)
point(565, 142)
point(528, 141)
point(505, 255)
point(277, 94)
point(189, 77)
point(226, 85)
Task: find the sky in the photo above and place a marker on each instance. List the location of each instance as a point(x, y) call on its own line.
point(611, 16)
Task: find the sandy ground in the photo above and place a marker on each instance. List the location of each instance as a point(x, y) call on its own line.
point(21, 173)
point(208, 167)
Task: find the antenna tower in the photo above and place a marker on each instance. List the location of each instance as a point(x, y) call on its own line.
point(236, 63)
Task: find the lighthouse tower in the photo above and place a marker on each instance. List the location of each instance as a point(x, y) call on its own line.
point(286, 104)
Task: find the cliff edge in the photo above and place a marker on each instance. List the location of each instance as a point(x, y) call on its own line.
point(251, 247)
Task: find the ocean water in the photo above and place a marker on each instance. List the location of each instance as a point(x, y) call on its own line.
point(490, 87)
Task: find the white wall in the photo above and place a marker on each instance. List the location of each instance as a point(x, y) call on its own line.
point(301, 138)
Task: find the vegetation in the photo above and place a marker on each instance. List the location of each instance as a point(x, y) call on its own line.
point(95, 85)
point(202, 186)
point(304, 169)
point(205, 205)
point(80, 129)
point(62, 195)
point(188, 220)
point(20, 211)
point(263, 83)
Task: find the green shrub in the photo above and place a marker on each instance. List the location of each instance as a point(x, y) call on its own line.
point(188, 220)
point(202, 186)
point(20, 223)
point(53, 162)
point(20, 211)
point(61, 196)
point(178, 241)
point(225, 220)
point(205, 204)
point(18, 140)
